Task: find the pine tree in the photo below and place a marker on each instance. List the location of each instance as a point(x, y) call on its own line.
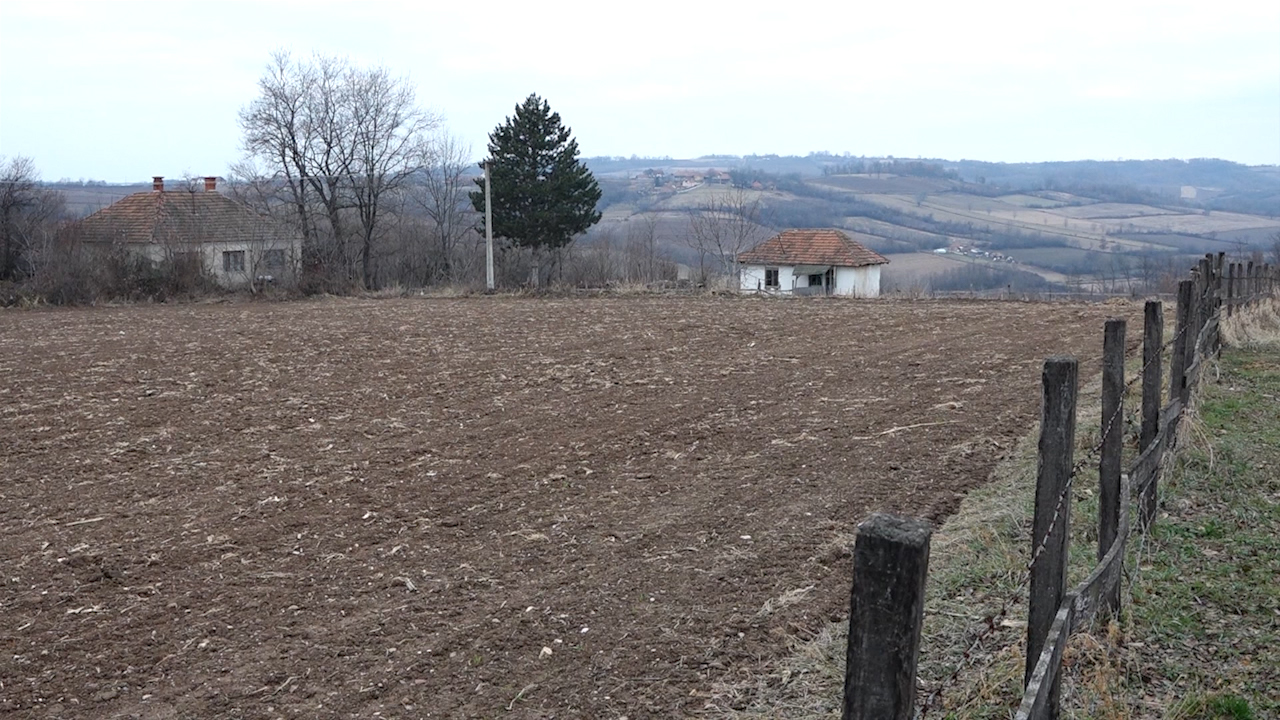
point(542, 195)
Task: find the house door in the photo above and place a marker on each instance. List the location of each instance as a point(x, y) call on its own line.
point(829, 281)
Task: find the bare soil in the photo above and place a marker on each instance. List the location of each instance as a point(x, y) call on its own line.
point(476, 507)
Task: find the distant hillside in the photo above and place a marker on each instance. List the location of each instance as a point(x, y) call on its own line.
point(1081, 227)
point(1208, 183)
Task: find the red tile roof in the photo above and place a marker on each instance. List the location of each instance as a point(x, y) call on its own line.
point(177, 216)
point(811, 247)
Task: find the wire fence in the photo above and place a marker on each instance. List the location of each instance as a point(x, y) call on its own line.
point(992, 623)
point(887, 565)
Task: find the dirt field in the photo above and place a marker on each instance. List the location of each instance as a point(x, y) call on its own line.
point(471, 508)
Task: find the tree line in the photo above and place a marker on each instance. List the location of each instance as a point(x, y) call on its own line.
point(378, 190)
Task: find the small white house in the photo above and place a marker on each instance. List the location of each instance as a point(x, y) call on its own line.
point(811, 262)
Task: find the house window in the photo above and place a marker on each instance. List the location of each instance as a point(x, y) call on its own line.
point(771, 278)
point(273, 261)
point(233, 261)
point(815, 280)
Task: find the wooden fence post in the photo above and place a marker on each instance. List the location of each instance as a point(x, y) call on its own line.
point(1193, 333)
point(1242, 286)
point(1051, 526)
point(1206, 289)
point(1112, 445)
point(1249, 284)
point(1216, 262)
point(1231, 289)
point(1181, 341)
point(886, 608)
point(1217, 300)
point(1218, 269)
point(1152, 349)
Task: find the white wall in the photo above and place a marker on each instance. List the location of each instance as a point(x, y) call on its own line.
point(859, 282)
point(753, 279)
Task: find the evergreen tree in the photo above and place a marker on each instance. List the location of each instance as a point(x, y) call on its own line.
point(542, 195)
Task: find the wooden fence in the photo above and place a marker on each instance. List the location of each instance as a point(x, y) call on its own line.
point(891, 554)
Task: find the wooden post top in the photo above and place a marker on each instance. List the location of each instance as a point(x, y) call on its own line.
point(896, 529)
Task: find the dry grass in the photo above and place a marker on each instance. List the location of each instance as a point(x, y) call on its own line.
point(1254, 327)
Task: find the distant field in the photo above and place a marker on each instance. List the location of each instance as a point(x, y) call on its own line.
point(1113, 210)
point(889, 230)
point(923, 263)
point(998, 217)
point(1059, 259)
point(878, 184)
point(907, 268)
point(1181, 243)
point(1030, 201)
point(702, 194)
point(1198, 223)
point(1259, 235)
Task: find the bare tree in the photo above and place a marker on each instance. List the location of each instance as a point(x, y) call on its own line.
point(642, 247)
point(338, 139)
point(279, 132)
point(389, 137)
point(27, 211)
point(442, 193)
point(725, 226)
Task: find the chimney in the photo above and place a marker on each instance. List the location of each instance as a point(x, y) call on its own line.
point(210, 184)
point(157, 183)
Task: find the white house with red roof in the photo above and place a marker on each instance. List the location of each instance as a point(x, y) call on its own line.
point(811, 262)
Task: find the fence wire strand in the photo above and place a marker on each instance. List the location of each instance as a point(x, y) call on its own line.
point(992, 623)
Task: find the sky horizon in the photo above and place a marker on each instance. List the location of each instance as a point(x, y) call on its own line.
point(122, 91)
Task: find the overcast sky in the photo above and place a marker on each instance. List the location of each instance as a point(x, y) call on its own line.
point(121, 91)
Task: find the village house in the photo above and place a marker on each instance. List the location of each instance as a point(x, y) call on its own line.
point(196, 229)
point(811, 262)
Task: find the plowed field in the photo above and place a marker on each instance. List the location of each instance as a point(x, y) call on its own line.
point(478, 507)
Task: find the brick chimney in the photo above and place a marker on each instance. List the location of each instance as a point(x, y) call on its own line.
point(210, 184)
point(157, 183)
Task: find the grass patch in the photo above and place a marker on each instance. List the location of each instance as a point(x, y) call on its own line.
point(1201, 632)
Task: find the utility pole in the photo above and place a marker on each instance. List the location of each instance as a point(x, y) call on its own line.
point(488, 229)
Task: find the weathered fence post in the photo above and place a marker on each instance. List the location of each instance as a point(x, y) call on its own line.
point(1181, 341)
point(1217, 300)
point(1217, 274)
point(1231, 288)
point(1203, 302)
point(1050, 528)
point(1112, 445)
point(886, 608)
point(1152, 349)
point(1250, 286)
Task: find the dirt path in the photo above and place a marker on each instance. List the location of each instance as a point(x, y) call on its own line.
point(452, 508)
